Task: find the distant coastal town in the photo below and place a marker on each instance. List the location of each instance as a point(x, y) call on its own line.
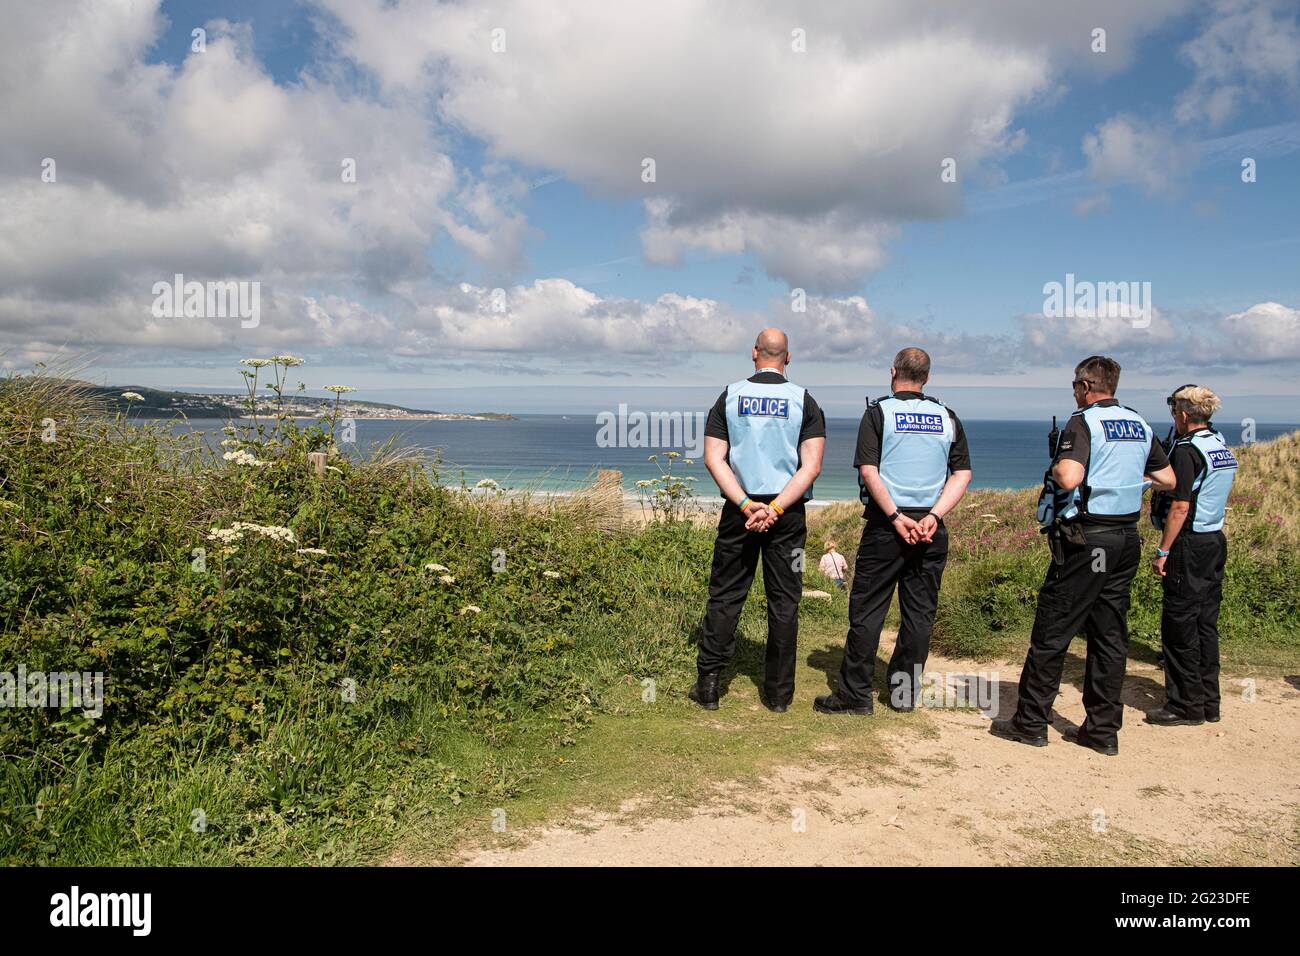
point(157, 403)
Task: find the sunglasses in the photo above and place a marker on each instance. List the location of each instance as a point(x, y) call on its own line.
point(1170, 400)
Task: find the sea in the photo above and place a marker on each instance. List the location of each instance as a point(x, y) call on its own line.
point(559, 453)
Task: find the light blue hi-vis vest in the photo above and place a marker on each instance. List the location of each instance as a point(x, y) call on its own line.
point(1114, 480)
point(1210, 490)
point(915, 441)
point(763, 425)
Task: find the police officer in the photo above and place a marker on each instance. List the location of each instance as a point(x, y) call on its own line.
point(1104, 456)
point(763, 445)
point(1190, 559)
point(913, 467)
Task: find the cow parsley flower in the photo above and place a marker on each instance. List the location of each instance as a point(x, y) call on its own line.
point(243, 458)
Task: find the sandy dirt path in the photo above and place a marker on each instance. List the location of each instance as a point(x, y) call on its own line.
point(952, 794)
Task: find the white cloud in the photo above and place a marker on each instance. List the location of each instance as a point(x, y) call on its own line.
point(211, 169)
point(757, 148)
point(1249, 48)
point(1124, 150)
point(1268, 331)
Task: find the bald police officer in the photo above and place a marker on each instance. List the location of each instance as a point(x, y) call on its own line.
point(1092, 498)
point(1190, 559)
point(913, 467)
point(763, 445)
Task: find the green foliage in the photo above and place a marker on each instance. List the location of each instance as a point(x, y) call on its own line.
point(315, 682)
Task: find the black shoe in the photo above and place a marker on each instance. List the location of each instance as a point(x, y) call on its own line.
point(1212, 716)
point(1160, 659)
point(1167, 718)
point(1083, 739)
point(705, 691)
point(1007, 730)
point(776, 708)
point(831, 704)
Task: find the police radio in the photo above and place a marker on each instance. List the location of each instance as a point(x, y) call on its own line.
point(1050, 496)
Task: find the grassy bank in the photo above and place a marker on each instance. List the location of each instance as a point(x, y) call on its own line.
point(300, 668)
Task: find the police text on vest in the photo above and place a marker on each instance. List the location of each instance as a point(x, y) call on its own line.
point(918, 423)
point(763, 406)
point(1123, 429)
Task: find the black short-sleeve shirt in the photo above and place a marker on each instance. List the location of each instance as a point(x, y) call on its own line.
point(1187, 466)
point(814, 422)
point(870, 434)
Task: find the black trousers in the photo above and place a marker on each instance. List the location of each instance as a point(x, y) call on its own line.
point(884, 561)
point(735, 559)
point(1189, 625)
point(1090, 592)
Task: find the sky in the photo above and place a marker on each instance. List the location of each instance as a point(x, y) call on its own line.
point(534, 206)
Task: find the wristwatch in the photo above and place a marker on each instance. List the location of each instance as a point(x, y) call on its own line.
point(896, 515)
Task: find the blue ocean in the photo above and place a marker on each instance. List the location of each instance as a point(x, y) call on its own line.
point(563, 452)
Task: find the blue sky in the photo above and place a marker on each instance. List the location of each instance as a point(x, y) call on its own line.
point(518, 169)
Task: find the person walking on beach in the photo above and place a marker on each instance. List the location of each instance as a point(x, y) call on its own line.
point(1092, 497)
point(913, 467)
point(834, 565)
point(1190, 560)
point(763, 445)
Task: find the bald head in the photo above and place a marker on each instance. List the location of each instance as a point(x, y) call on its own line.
point(771, 349)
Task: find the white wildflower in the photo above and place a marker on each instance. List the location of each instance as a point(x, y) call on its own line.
point(133, 396)
point(236, 532)
point(447, 579)
point(550, 574)
point(243, 458)
point(311, 551)
point(487, 483)
point(434, 567)
point(470, 609)
point(339, 389)
point(289, 361)
point(255, 362)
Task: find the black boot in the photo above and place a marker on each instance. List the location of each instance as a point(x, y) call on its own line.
point(705, 691)
point(1084, 739)
point(832, 704)
point(1168, 718)
point(1007, 730)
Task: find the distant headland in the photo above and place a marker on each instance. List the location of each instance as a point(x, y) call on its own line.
point(158, 403)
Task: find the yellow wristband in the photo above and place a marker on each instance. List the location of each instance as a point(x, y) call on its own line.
point(775, 507)
point(744, 501)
